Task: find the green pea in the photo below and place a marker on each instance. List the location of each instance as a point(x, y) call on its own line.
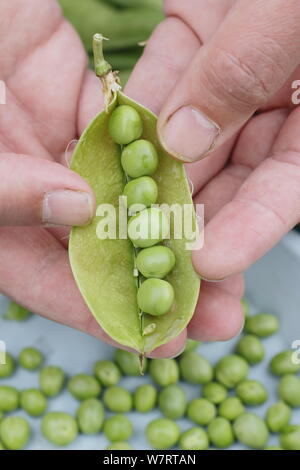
point(120, 445)
point(191, 345)
point(252, 392)
point(251, 430)
point(125, 125)
point(262, 324)
point(51, 380)
point(59, 428)
point(142, 191)
point(231, 370)
point(164, 372)
point(283, 363)
point(290, 438)
point(118, 428)
point(289, 390)
point(162, 433)
point(129, 362)
point(107, 373)
point(1, 415)
point(83, 386)
point(201, 411)
point(148, 227)
point(245, 306)
point(2, 446)
point(9, 398)
point(172, 402)
point(156, 261)
point(195, 368)
point(251, 349)
point(7, 369)
point(155, 296)
point(194, 439)
point(278, 416)
point(30, 358)
point(231, 408)
point(14, 432)
point(117, 399)
point(16, 312)
point(33, 402)
point(139, 159)
point(90, 416)
point(145, 398)
point(214, 392)
point(220, 433)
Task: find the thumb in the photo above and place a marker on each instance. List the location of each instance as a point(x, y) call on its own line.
point(38, 192)
point(248, 60)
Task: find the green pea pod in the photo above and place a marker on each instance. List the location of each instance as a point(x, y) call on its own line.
point(104, 269)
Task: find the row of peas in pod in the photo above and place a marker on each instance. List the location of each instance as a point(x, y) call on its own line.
point(149, 226)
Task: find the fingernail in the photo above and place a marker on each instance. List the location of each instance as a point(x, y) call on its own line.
point(213, 280)
point(189, 134)
point(67, 207)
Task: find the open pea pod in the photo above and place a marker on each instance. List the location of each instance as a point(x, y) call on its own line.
point(104, 269)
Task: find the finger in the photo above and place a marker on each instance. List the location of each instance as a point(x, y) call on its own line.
point(265, 208)
point(36, 191)
point(91, 100)
point(218, 316)
point(230, 77)
point(171, 349)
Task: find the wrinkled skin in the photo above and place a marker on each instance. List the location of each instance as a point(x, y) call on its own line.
point(51, 96)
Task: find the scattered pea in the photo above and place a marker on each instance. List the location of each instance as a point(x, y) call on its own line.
point(155, 262)
point(145, 398)
point(117, 399)
point(195, 368)
point(194, 439)
point(220, 433)
point(16, 312)
point(246, 308)
point(251, 349)
point(139, 159)
point(59, 428)
point(251, 430)
point(107, 373)
point(7, 369)
point(33, 402)
point(51, 380)
point(278, 416)
point(118, 428)
point(172, 402)
point(191, 345)
point(231, 408)
point(164, 371)
point(119, 446)
point(201, 411)
point(231, 370)
point(289, 390)
point(155, 296)
point(129, 362)
point(83, 386)
point(252, 392)
point(30, 358)
point(290, 438)
point(14, 432)
point(90, 416)
point(9, 398)
point(214, 392)
point(162, 433)
point(2, 446)
point(262, 324)
point(283, 364)
point(125, 125)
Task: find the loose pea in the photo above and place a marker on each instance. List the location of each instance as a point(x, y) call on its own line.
point(283, 363)
point(129, 362)
point(251, 430)
point(220, 433)
point(172, 402)
point(59, 428)
point(278, 416)
point(252, 392)
point(9, 398)
point(16, 312)
point(162, 433)
point(51, 380)
point(195, 368)
point(251, 349)
point(2, 446)
point(145, 398)
point(201, 411)
point(33, 402)
point(7, 369)
point(155, 296)
point(14, 432)
point(289, 390)
point(117, 399)
point(231, 408)
point(119, 446)
point(246, 308)
point(125, 125)
point(164, 372)
point(1, 415)
point(90, 416)
point(118, 428)
point(142, 191)
point(231, 370)
point(191, 345)
point(214, 392)
point(290, 438)
point(148, 227)
point(30, 358)
point(83, 386)
point(156, 261)
point(194, 439)
point(139, 159)
point(107, 372)
point(262, 324)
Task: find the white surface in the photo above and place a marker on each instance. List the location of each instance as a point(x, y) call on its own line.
point(272, 285)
